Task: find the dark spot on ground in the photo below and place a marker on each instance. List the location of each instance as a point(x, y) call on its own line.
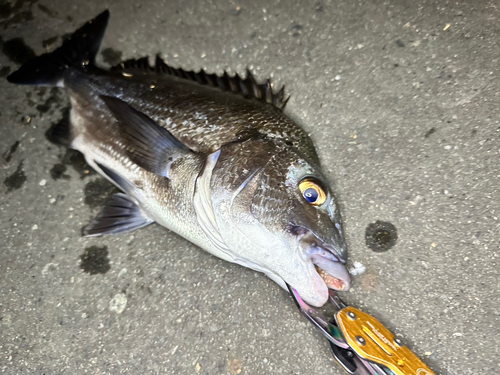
point(5, 10)
point(16, 179)
point(17, 51)
point(18, 18)
point(98, 192)
point(381, 236)
point(430, 132)
point(41, 91)
point(18, 12)
point(78, 162)
point(319, 7)
point(7, 155)
point(58, 171)
point(4, 71)
point(50, 41)
point(399, 43)
point(30, 102)
point(296, 30)
point(94, 260)
point(111, 56)
point(46, 10)
point(52, 100)
point(473, 132)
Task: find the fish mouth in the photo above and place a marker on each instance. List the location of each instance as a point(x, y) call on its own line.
point(334, 274)
point(327, 262)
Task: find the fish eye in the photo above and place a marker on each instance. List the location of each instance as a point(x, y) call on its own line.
point(312, 192)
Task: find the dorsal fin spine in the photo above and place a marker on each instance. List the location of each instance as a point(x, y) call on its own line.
point(247, 87)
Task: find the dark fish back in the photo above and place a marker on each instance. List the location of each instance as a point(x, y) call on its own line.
point(204, 118)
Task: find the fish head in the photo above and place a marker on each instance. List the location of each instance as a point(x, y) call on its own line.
point(310, 225)
point(315, 226)
point(286, 210)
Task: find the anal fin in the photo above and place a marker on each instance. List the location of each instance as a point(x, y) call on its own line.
point(120, 215)
point(121, 182)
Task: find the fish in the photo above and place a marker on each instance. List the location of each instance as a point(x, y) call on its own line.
point(210, 157)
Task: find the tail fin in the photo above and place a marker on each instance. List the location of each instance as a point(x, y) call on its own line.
point(81, 48)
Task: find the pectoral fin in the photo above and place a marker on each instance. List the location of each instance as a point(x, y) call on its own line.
point(150, 146)
point(120, 215)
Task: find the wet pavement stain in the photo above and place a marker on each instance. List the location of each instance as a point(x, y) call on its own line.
point(78, 163)
point(7, 155)
point(381, 236)
point(4, 72)
point(58, 171)
point(98, 192)
point(16, 179)
point(74, 159)
point(111, 56)
point(40, 90)
point(5, 10)
point(16, 13)
point(94, 260)
point(17, 51)
point(52, 100)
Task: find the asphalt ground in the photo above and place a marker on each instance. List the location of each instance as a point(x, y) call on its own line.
point(402, 100)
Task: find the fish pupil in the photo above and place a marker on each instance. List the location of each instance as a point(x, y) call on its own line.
point(311, 195)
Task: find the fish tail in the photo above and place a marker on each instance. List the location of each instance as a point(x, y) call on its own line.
point(48, 69)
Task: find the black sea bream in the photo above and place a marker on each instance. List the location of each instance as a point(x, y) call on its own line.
point(211, 158)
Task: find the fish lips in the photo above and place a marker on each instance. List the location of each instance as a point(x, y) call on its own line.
point(329, 264)
point(323, 274)
point(333, 273)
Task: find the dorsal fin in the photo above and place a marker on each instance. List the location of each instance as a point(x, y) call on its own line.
point(247, 87)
